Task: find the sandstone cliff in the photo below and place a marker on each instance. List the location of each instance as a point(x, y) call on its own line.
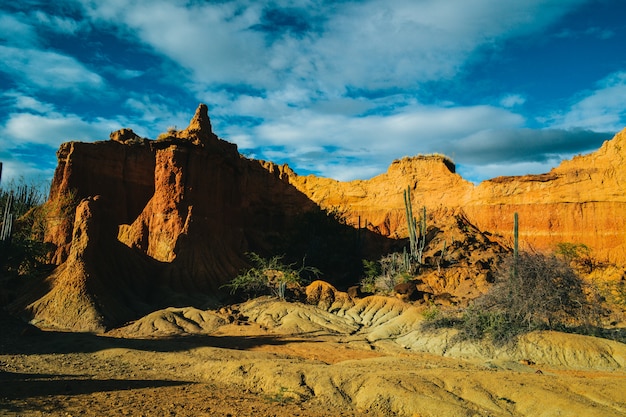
point(581, 201)
point(166, 222)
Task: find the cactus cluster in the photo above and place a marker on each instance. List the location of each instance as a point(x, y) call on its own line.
point(417, 237)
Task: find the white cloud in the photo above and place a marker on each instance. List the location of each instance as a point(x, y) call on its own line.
point(13, 169)
point(154, 115)
point(52, 129)
point(373, 44)
point(307, 95)
point(602, 110)
point(33, 131)
point(49, 70)
point(16, 32)
point(352, 147)
point(57, 24)
point(127, 74)
point(512, 100)
point(479, 173)
point(24, 102)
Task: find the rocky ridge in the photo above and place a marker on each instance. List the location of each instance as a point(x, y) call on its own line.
point(166, 222)
point(583, 200)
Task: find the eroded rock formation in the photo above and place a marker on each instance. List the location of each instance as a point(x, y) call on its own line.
point(166, 222)
point(583, 200)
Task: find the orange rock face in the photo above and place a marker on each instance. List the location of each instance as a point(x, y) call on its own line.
point(581, 201)
point(175, 216)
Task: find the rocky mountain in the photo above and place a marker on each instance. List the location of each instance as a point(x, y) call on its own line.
point(141, 224)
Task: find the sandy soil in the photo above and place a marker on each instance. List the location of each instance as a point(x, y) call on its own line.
point(271, 358)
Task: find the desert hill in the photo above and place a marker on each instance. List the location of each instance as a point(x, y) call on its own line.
point(166, 222)
point(144, 233)
point(583, 200)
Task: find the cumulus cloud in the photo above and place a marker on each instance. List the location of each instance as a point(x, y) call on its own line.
point(371, 44)
point(334, 88)
point(512, 100)
point(59, 24)
point(603, 109)
point(51, 129)
point(24, 102)
point(347, 148)
point(16, 32)
point(46, 69)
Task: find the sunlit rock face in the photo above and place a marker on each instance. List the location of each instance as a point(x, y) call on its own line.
point(583, 200)
point(138, 224)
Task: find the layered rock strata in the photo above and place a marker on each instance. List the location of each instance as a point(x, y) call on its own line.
point(139, 224)
point(583, 200)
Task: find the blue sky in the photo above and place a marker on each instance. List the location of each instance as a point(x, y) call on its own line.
point(335, 88)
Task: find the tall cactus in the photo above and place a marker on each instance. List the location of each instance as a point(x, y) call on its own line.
point(411, 223)
point(7, 220)
point(417, 238)
point(515, 242)
point(422, 237)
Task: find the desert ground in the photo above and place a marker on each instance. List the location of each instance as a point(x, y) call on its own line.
point(267, 357)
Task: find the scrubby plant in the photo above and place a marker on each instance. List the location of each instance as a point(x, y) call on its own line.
point(534, 291)
point(371, 270)
point(22, 250)
point(577, 255)
point(172, 131)
point(394, 270)
point(269, 275)
point(432, 313)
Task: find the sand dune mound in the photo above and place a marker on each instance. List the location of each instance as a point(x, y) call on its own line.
point(386, 324)
point(369, 358)
point(173, 321)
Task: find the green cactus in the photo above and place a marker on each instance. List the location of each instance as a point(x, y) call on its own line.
point(417, 238)
point(411, 223)
point(421, 243)
point(515, 242)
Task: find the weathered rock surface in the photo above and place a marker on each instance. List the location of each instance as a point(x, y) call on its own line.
point(187, 205)
point(583, 200)
point(182, 211)
point(101, 283)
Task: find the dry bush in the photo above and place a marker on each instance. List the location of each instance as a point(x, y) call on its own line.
point(532, 291)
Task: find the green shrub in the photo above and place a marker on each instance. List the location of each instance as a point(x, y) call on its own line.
point(394, 269)
point(23, 253)
point(432, 313)
point(578, 255)
point(269, 275)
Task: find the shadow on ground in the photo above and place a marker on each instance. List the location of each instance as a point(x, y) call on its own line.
point(23, 386)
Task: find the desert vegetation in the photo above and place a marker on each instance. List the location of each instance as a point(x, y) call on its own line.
point(271, 275)
point(22, 250)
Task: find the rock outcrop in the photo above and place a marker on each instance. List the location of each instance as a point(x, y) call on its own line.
point(143, 224)
point(180, 214)
point(101, 283)
point(581, 201)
